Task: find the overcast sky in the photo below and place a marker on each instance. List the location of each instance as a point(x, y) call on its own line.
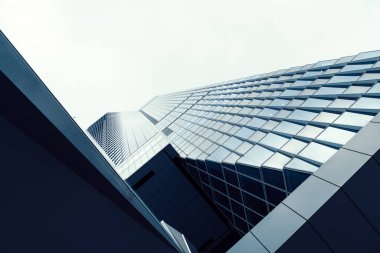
point(100, 56)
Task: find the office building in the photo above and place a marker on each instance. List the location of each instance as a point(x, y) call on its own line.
point(287, 161)
point(249, 143)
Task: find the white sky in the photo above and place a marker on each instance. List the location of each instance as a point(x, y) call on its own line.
point(99, 56)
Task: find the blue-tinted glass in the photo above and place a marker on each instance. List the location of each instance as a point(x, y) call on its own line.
point(256, 122)
point(336, 135)
point(256, 156)
point(330, 90)
point(290, 93)
point(355, 119)
point(367, 55)
point(215, 169)
point(314, 102)
point(257, 136)
point(241, 224)
point(249, 171)
point(367, 103)
point(232, 143)
point(294, 179)
point(288, 127)
point(221, 199)
point(302, 115)
point(343, 79)
point(355, 67)
point(218, 185)
point(300, 165)
point(273, 177)
point(230, 177)
point(318, 152)
point(253, 217)
point(301, 83)
point(277, 161)
point(341, 103)
point(375, 88)
point(255, 204)
point(243, 148)
point(268, 112)
point(219, 154)
point(204, 177)
point(310, 131)
point(234, 193)
point(252, 186)
point(294, 146)
point(274, 195)
point(274, 140)
point(238, 209)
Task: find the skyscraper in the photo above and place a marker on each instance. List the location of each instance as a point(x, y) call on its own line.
point(249, 143)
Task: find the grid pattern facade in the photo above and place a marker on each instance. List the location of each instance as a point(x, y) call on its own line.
point(250, 142)
point(122, 134)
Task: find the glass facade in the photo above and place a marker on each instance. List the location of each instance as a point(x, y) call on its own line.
point(250, 142)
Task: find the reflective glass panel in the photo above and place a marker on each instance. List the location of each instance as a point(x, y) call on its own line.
point(302, 115)
point(326, 117)
point(367, 103)
point(294, 146)
point(301, 165)
point(256, 156)
point(314, 102)
point(336, 135)
point(310, 131)
point(289, 128)
point(274, 140)
point(318, 152)
point(277, 161)
point(232, 143)
point(355, 119)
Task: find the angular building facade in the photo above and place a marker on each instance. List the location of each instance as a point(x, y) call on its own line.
point(249, 143)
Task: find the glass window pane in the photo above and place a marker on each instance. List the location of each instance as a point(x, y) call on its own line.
point(354, 89)
point(336, 135)
point(367, 55)
point(294, 146)
point(355, 67)
point(343, 79)
point(314, 102)
point(301, 165)
point(244, 132)
point(354, 119)
point(256, 156)
point(289, 128)
point(329, 91)
point(256, 122)
point(302, 115)
point(283, 113)
point(270, 125)
point(231, 159)
point(310, 131)
point(219, 154)
point(375, 88)
point(290, 92)
point(268, 112)
point(257, 136)
point(232, 143)
point(318, 152)
point(279, 102)
point(326, 117)
point(367, 103)
point(274, 140)
point(342, 103)
point(370, 76)
point(243, 148)
point(277, 161)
